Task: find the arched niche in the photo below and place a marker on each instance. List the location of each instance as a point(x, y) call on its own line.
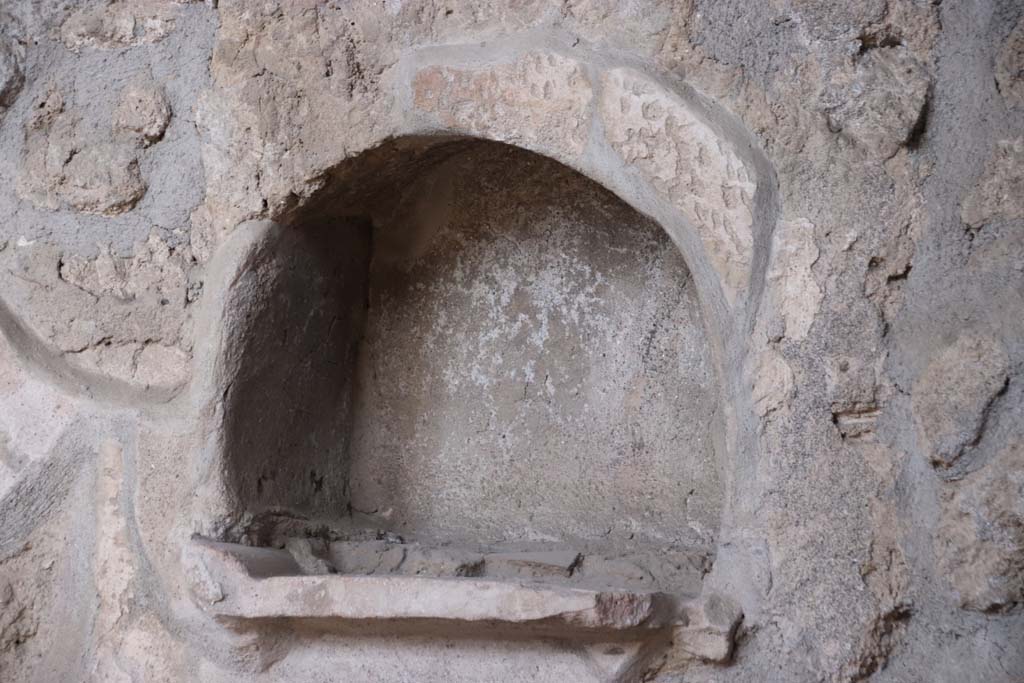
point(363, 393)
point(467, 343)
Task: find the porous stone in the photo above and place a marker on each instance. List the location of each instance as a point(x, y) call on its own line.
point(126, 317)
point(154, 270)
point(952, 396)
point(773, 383)
point(231, 164)
point(323, 73)
point(114, 563)
point(708, 632)
point(103, 178)
point(63, 166)
point(539, 100)
point(157, 365)
point(17, 621)
point(664, 139)
point(722, 295)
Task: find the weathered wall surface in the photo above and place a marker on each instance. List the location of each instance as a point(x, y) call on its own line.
point(844, 181)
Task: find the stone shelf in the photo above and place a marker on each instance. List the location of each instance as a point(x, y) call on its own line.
point(247, 583)
point(242, 585)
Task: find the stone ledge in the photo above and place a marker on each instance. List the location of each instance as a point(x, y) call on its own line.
point(241, 582)
point(240, 585)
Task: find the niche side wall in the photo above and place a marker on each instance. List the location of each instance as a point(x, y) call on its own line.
point(297, 312)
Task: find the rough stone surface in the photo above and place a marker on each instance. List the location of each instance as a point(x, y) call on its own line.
point(262, 583)
point(879, 100)
point(733, 310)
point(101, 179)
point(981, 535)
point(952, 397)
point(792, 278)
point(122, 23)
point(593, 359)
point(773, 383)
point(709, 629)
point(999, 194)
point(142, 112)
point(61, 166)
point(11, 70)
point(687, 162)
point(127, 317)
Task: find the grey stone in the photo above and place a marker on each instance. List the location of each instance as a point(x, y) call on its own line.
point(440, 562)
point(980, 543)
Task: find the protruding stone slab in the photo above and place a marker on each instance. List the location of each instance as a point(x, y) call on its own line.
point(262, 583)
point(690, 164)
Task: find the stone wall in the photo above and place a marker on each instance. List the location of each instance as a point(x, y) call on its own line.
point(196, 197)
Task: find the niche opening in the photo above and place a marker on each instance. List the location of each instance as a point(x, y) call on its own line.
point(465, 360)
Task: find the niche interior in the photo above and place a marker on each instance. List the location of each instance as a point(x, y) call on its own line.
point(465, 362)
